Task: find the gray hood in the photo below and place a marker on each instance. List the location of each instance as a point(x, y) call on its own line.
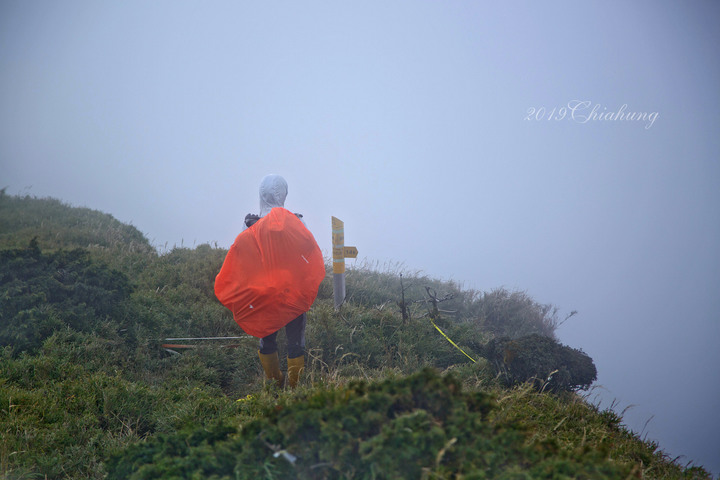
point(273, 191)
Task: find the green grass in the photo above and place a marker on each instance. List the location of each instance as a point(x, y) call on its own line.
point(92, 394)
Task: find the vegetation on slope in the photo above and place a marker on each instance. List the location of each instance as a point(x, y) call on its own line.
point(86, 390)
point(57, 225)
point(421, 425)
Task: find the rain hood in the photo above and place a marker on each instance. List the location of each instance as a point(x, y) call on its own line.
point(273, 191)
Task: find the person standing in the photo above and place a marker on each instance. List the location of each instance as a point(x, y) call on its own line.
point(273, 192)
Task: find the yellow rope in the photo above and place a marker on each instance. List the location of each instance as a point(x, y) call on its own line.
point(449, 340)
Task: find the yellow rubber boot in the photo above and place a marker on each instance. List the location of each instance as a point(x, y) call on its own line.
point(271, 365)
point(295, 368)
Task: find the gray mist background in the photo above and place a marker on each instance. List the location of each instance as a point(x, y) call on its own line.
point(424, 126)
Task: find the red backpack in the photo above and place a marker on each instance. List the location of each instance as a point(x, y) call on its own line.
point(271, 273)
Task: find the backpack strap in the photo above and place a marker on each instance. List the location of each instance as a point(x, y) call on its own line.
point(251, 218)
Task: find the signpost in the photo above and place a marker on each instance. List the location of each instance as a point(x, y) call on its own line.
point(340, 253)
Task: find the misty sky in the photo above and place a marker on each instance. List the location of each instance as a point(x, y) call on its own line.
point(426, 127)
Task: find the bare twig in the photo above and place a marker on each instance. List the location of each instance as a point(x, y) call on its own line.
point(571, 314)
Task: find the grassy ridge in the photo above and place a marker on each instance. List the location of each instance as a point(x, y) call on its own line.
point(57, 225)
point(93, 394)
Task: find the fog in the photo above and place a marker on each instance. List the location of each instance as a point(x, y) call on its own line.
point(569, 151)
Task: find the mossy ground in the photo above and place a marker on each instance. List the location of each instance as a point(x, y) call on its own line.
point(91, 393)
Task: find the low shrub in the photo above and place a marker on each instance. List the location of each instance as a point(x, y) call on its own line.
point(503, 313)
point(44, 292)
point(542, 361)
point(422, 425)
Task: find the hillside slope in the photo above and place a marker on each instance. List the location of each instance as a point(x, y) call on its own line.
point(56, 224)
point(88, 391)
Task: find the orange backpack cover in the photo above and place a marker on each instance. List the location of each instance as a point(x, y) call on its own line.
point(271, 273)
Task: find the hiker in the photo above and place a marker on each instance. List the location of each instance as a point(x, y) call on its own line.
point(273, 191)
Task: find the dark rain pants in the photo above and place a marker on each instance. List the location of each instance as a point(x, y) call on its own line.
point(295, 333)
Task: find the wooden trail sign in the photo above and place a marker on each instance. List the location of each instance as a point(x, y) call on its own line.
point(340, 253)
